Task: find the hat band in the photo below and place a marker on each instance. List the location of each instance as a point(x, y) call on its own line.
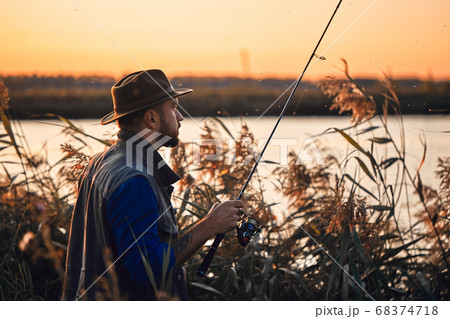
point(147, 101)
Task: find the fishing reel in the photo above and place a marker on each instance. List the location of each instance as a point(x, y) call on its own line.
point(248, 228)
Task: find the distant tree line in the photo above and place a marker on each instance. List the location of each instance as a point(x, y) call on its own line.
point(89, 96)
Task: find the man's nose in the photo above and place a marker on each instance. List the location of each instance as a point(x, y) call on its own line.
point(179, 116)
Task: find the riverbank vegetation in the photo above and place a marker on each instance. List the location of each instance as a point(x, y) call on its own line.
point(338, 238)
point(89, 96)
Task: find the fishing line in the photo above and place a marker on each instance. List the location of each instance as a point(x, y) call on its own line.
point(207, 261)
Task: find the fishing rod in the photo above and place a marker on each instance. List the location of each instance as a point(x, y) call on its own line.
point(250, 226)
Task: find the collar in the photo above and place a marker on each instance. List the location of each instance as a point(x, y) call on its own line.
point(159, 168)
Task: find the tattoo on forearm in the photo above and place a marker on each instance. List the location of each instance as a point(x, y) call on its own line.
point(182, 243)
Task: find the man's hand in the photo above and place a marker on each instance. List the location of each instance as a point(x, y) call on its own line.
point(224, 217)
point(220, 219)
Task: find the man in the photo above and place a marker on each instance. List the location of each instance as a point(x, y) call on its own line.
point(123, 220)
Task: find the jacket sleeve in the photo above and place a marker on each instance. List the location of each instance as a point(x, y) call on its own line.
point(133, 217)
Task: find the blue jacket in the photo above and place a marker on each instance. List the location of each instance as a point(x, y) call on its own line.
point(95, 265)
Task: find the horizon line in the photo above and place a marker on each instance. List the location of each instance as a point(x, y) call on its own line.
point(277, 76)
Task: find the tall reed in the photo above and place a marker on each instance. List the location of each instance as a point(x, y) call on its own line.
point(340, 238)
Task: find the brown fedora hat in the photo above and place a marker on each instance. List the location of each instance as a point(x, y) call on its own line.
point(139, 90)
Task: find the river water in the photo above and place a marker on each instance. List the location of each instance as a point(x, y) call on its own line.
point(303, 135)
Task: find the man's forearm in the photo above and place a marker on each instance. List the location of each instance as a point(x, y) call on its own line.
point(220, 219)
point(190, 241)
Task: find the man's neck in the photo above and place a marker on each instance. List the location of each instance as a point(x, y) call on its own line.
point(147, 156)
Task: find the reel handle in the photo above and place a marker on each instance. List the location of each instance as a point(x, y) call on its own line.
point(209, 257)
point(247, 229)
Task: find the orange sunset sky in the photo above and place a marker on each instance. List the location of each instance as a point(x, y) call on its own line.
point(405, 38)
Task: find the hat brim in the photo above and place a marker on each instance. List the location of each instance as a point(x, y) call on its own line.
point(112, 116)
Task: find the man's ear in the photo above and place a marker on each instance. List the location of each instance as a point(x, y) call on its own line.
point(152, 119)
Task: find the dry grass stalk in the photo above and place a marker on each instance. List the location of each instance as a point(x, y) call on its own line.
point(4, 96)
point(437, 222)
point(348, 97)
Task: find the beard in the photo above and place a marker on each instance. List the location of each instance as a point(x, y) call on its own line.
point(174, 140)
